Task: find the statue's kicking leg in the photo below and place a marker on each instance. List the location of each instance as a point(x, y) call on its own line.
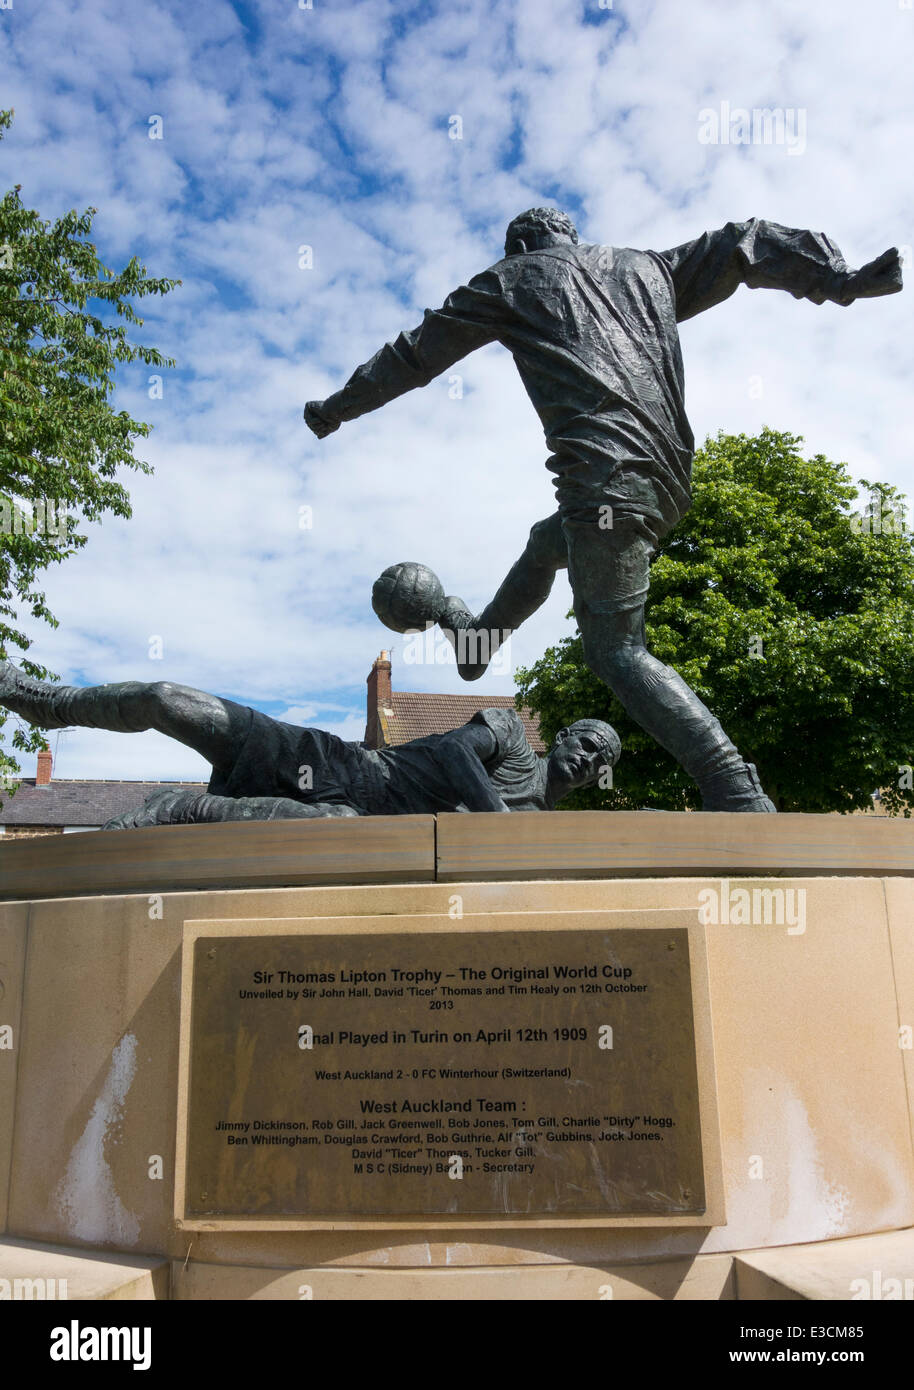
point(212, 727)
point(610, 572)
point(476, 639)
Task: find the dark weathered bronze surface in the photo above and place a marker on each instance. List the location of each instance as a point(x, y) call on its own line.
point(265, 769)
point(409, 1069)
point(593, 331)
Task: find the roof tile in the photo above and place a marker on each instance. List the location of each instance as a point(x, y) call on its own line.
point(78, 802)
point(416, 715)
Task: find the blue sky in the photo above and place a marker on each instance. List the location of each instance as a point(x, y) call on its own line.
point(331, 128)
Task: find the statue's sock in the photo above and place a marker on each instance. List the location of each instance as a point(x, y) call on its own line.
point(52, 706)
point(668, 709)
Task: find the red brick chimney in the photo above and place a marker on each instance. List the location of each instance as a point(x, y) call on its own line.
point(45, 764)
point(379, 706)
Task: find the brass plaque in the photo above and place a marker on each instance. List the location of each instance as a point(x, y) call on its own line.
point(459, 1073)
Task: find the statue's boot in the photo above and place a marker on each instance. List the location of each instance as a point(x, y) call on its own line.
point(476, 639)
point(170, 806)
point(178, 806)
point(668, 709)
point(526, 587)
point(736, 789)
point(52, 706)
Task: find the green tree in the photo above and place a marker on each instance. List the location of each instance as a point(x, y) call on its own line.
point(792, 617)
point(61, 441)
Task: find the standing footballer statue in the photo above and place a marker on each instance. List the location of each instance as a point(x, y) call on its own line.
point(593, 332)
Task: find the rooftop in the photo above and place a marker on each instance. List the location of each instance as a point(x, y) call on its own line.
point(416, 715)
point(77, 802)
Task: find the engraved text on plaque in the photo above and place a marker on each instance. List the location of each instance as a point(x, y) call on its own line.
point(462, 1073)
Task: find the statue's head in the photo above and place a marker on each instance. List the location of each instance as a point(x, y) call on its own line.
point(538, 228)
point(580, 754)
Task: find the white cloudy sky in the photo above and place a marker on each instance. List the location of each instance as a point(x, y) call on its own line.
point(329, 127)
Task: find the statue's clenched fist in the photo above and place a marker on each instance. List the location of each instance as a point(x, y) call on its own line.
point(881, 276)
point(318, 421)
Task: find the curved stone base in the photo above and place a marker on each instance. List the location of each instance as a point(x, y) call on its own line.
point(811, 1039)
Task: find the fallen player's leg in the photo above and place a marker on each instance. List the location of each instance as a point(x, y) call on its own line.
point(212, 727)
point(179, 806)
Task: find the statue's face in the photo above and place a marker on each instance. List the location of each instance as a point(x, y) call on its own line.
point(576, 760)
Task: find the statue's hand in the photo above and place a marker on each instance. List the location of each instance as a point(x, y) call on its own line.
point(881, 276)
point(317, 421)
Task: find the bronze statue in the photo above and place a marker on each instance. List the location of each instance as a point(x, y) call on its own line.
point(593, 332)
point(264, 769)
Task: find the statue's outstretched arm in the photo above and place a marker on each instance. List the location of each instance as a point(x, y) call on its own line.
point(468, 319)
point(765, 255)
point(462, 751)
